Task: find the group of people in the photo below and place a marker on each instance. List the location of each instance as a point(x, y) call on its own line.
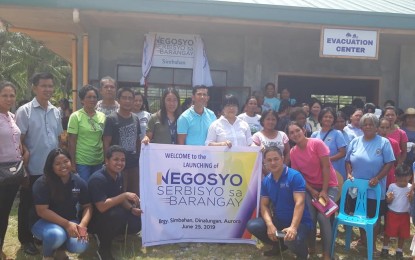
point(93, 186)
point(68, 194)
point(327, 151)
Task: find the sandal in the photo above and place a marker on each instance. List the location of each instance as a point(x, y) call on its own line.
point(357, 243)
point(376, 254)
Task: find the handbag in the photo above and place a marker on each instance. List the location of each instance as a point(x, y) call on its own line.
point(11, 173)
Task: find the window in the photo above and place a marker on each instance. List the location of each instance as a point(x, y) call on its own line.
point(337, 101)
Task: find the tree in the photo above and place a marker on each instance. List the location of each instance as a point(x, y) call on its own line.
point(22, 56)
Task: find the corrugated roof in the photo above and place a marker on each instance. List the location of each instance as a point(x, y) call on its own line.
point(398, 14)
point(378, 6)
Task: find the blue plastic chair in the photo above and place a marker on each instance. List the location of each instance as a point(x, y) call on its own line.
point(359, 218)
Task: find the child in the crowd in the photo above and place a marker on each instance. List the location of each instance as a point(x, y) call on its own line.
point(398, 197)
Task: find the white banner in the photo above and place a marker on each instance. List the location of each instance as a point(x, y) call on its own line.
point(198, 193)
point(174, 50)
point(347, 43)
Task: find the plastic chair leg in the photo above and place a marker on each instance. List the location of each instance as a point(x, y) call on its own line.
point(348, 236)
point(369, 238)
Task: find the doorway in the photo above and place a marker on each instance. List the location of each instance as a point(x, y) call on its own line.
point(338, 91)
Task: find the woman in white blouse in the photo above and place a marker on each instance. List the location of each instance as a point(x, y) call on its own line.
point(229, 130)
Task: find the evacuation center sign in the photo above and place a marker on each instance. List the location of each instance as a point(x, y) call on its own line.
point(198, 193)
point(345, 43)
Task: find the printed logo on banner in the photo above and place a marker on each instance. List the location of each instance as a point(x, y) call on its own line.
point(189, 188)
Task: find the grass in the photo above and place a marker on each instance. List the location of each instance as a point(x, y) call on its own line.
point(131, 248)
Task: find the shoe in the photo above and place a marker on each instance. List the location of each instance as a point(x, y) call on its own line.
point(399, 255)
point(30, 248)
point(275, 251)
point(104, 254)
point(384, 253)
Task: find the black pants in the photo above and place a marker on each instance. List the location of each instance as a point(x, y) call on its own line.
point(7, 195)
point(111, 223)
point(26, 208)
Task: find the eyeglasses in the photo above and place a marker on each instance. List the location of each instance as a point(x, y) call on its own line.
point(201, 94)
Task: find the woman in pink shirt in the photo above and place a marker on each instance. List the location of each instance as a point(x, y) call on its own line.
point(311, 157)
point(396, 133)
point(10, 151)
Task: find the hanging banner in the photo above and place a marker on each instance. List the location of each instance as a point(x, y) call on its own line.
point(198, 193)
point(347, 43)
point(184, 51)
point(174, 50)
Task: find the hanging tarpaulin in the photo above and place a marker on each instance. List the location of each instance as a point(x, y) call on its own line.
point(176, 51)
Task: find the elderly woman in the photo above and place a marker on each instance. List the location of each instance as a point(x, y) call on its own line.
point(56, 196)
point(311, 157)
point(85, 129)
point(370, 157)
point(229, 130)
point(332, 138)
point(10, 151)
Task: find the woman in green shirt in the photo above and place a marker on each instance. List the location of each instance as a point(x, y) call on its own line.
point(85, 129)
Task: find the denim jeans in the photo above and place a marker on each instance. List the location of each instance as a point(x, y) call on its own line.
point(298, 246)
point(54, 236)
point(324, 223)
point(85, 171)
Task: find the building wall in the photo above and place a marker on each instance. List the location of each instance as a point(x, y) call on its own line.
point(254, 59)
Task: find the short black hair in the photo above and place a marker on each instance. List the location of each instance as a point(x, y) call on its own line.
point(297, 111)
point(230, 100)
point(197, 87)
point(403, 170)
point(285, 104)
point(269, 84)
point(85, 89)
point(325, 111)
point(265, 114)
point(272, 149)
point(114, 149)
point(41, 75)
point(124, 89)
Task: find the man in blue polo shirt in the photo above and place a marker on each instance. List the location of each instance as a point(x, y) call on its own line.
point(193, 124)
point(285, 188)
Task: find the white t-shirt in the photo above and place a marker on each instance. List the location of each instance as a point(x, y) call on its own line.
point(279, 141)
point(221, 130)
point(253, 122)
point(400, 203)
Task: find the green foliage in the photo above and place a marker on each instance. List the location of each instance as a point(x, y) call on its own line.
point(22, 56)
